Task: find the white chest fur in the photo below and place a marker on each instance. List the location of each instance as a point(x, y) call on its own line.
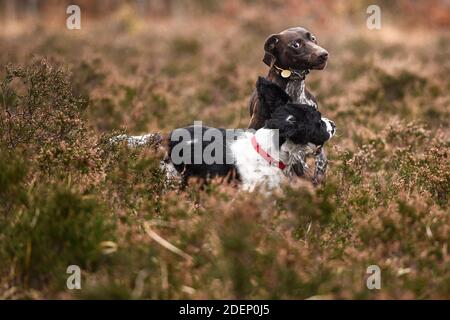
point(297, 91)
point(253, 169)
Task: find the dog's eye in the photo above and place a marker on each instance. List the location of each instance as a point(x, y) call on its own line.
point(295, 45)
point(290, 119)
point(311, 37)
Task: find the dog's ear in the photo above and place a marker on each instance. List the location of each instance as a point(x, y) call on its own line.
point(323, 131)
point(286, 127)
point(271, 97)
point(285, 122)
point(269, 49)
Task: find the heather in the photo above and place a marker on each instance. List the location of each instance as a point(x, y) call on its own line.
point(70, 197)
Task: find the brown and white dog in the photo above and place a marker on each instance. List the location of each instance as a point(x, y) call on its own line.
point(291, 54)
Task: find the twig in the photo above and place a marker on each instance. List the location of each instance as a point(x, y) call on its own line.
point(166, 244)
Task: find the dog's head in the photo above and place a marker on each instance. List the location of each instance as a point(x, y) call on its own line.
point(294, 48)
point(299, 123)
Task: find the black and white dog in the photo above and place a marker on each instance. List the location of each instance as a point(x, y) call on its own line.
point(264, 157)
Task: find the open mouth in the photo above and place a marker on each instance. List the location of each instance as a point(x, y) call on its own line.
point(320, 65)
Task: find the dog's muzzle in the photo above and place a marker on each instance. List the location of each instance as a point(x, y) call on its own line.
point(331, 127)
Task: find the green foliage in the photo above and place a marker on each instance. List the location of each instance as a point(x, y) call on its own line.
point(47, 226)
point(57, 228)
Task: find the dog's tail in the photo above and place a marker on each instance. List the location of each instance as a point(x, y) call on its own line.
point(149, 140)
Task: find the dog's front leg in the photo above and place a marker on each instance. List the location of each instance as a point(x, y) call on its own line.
point(300, 167)
point(320, 167)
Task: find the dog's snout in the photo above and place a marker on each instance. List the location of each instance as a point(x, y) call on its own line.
point(323, 55)
point(331, 126)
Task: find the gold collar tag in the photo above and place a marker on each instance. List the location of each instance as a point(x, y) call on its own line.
point(286, 73)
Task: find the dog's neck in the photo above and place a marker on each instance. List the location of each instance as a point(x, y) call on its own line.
point(295, 87)
point(275, 76)
point(269, 140)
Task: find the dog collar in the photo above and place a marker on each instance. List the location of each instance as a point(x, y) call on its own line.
point(287, 73)
point(265, 155)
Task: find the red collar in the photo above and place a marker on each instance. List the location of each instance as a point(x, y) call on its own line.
point(265, 155)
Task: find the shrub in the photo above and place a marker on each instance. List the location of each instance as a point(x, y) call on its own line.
point(42, 118)
point(58, 227)
point(43, 112)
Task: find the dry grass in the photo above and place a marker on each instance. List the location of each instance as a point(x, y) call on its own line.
point(67, 197)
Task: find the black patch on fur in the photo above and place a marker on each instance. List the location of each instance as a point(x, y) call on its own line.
point(202, 170)
point(271, 97)
point(299, 123)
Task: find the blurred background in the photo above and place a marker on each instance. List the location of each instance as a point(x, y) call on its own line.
point(202, 57)
point(127, 48)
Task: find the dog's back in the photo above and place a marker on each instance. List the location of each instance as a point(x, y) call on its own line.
point(194, 152)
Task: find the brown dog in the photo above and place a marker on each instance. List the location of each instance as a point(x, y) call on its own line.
point(290, 55)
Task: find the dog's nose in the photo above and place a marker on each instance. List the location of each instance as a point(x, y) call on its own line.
point(323, 55)
point(333, 128)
